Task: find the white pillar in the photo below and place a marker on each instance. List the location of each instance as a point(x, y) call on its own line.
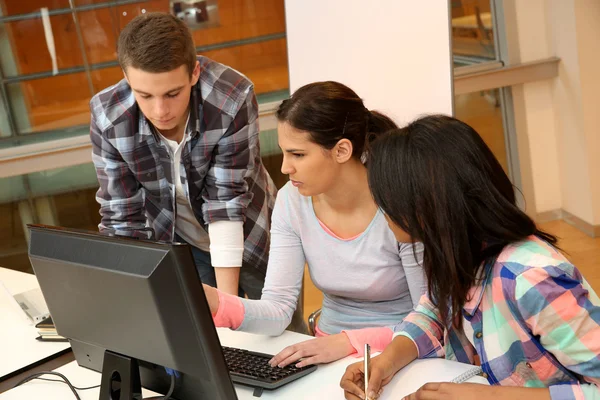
point(395, 54)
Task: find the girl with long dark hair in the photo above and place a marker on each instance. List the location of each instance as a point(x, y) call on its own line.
point(499, 292)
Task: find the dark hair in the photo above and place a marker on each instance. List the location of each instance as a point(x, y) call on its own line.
point(438, 181)
point(330, 111)
point(156, 42)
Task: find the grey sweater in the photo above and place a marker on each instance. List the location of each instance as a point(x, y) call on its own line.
point(369, 281)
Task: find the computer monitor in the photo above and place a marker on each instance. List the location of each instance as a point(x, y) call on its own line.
point(136, 303)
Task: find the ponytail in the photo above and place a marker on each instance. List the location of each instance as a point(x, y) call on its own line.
point(378, 123)
point(330, 111)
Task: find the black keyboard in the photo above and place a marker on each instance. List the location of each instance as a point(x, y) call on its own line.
point(253, 369)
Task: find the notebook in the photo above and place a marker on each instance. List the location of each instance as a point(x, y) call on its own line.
point(12, 315)
point(47, 331)
point(409, 379)
point(33, 304)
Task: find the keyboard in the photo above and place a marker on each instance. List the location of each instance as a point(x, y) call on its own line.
point(253, 369)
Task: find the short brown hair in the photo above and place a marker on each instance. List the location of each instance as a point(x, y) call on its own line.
point(156, 42)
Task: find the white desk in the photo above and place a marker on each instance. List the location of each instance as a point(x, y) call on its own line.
point(323, 383)
point(19, 350)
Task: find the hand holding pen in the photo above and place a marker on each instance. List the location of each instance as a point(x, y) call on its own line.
point(365, 379)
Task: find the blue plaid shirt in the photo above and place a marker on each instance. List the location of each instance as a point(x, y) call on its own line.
point(535, 323)
point(221, 168)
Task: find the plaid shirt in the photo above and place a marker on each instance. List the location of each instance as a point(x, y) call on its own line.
point(221, 169)
point(535, 319)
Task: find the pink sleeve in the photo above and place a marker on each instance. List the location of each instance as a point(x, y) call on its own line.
point(378, 338)
point(230, 313)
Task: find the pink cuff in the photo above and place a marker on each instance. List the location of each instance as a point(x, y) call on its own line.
point(378, 338)
point(319, 333)
point(230, 313)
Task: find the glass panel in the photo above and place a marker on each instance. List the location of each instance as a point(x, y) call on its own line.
point(127, 12)
point(51, 103)
point(264, 63)
point(12, 7)
point(273, 165)
point(482, 111)
point(99, 30)
point(272, 156)
point(61, 180)
point(5, 129)
point(105, 77)
point(30, 53)
point(13, 246)
point(66, 197)
point(270, 97)
point(243, 20)
point(472, 32)
point(45, 136)
point(247, 35)
point(100, 27)
point(197, 14)
point(12, 189)
point(250, 37)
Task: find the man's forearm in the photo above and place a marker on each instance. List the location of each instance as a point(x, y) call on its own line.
point(228, 279)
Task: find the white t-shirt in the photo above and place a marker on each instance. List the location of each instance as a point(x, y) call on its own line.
point(226, 249)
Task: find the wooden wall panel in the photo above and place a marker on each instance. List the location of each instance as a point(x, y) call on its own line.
point(54, 102)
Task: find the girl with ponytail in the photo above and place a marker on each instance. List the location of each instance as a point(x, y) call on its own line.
point(325, 216)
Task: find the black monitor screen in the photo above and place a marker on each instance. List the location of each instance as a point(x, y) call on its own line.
point(132, 297)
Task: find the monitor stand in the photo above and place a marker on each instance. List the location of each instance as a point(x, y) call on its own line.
point(120, 378)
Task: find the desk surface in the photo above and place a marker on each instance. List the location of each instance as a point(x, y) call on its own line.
point(16, 281)
point(323, 383)
point(18, 347)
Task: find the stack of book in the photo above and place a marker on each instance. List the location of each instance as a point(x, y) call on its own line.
point(47, 331)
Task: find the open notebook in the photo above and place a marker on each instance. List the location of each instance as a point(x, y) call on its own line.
point(409, 379)
point(325, 383)
point(10, 311)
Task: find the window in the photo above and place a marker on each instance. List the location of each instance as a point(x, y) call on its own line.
point(474, 48)
point(37, 100)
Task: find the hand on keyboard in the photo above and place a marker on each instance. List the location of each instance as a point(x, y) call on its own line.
point(315, 351)
point(252, 368)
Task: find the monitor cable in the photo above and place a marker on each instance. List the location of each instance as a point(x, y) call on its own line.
point(74, 389)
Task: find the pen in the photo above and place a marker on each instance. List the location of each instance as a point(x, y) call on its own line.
point(367, 367)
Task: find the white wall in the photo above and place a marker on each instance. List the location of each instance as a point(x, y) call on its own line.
point(538, 107)
point(394, 54)
point(567, 97)
point(588, 40)
point(561, 118)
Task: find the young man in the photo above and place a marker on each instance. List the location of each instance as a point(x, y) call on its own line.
point(176, 151)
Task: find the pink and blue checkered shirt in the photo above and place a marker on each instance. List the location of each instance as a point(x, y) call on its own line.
point(535, 320)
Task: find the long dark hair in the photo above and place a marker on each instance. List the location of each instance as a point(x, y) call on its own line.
point(438, 181)
point(330, 111)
